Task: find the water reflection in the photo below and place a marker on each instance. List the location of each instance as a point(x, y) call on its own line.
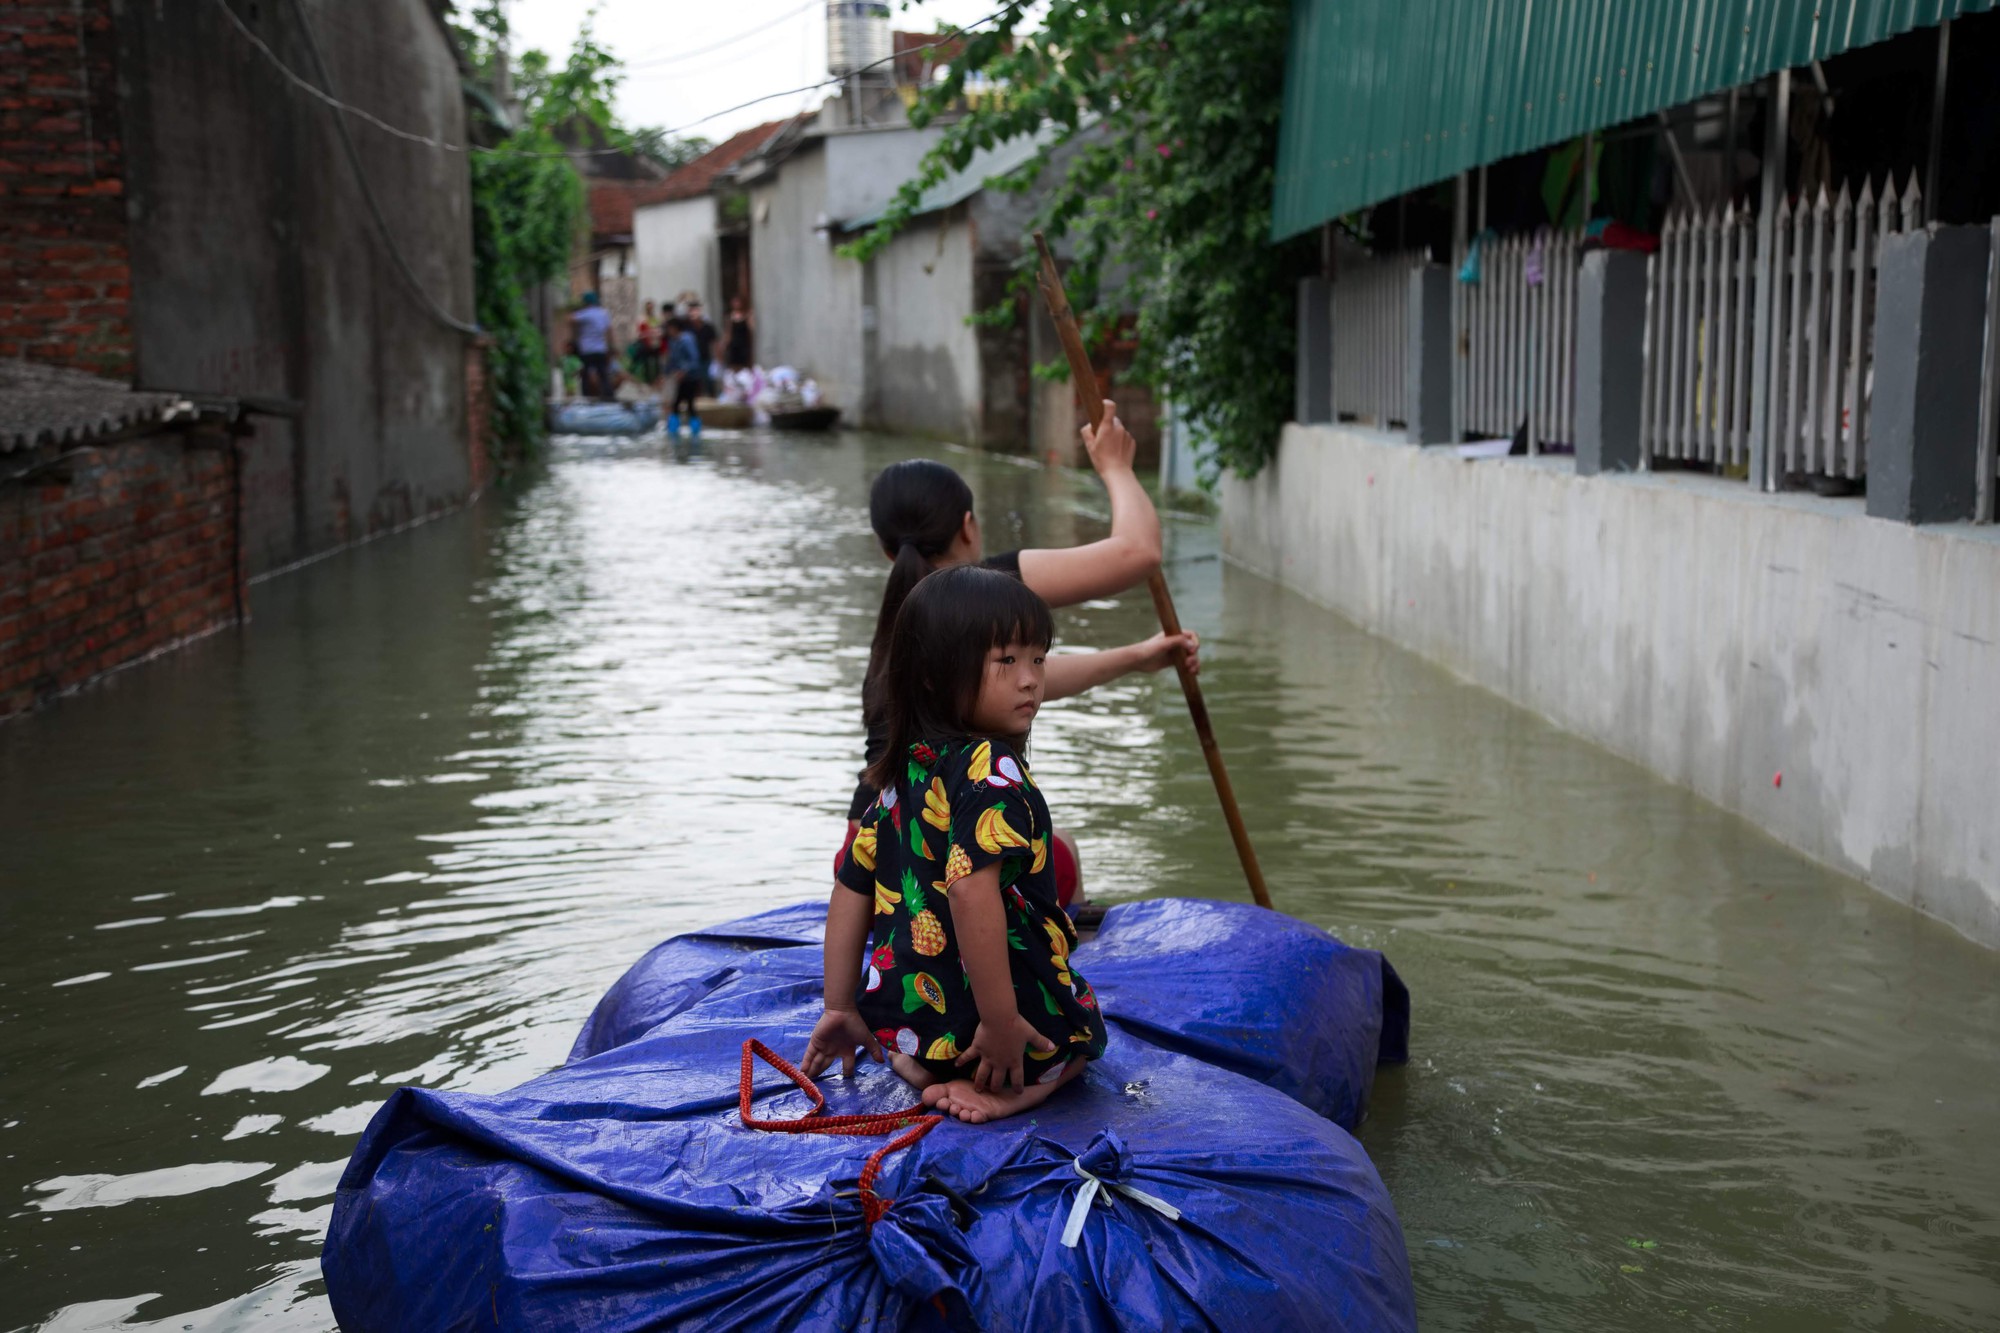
point(410, 824)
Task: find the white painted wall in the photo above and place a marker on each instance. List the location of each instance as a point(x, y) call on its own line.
point(677, 250)
point(1717, 636)
point(865, 168)
point(808, 298)
point(927, 363)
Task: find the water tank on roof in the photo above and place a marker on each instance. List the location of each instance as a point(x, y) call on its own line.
point(857, 36)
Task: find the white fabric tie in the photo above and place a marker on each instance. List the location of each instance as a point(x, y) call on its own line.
point(1092, 1185)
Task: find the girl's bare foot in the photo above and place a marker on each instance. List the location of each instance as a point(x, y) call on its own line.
point(914, 1074)
point(959, 1098)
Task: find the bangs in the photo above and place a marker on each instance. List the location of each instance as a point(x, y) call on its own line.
point(1012, 612)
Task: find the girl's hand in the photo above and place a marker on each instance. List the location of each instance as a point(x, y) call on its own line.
point(1111, 447)
point(834, 1037)
point(1001, 1049)
point(1158, 652)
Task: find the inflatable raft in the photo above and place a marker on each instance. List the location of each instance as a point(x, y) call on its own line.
point(586, 417)
point(1198, 1176)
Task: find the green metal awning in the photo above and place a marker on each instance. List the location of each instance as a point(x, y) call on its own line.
point(1382, 96)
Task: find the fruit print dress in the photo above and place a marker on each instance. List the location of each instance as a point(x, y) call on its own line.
point(961, 806)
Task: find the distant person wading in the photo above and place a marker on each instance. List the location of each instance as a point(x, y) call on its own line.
point(685, 364)
point(592, 323)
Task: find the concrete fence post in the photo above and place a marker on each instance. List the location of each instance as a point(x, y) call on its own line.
point(1427, 396)
point(1923, 419)
point(1610, 361)
point(1313, 398)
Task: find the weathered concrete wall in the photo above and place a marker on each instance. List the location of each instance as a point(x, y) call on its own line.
point(257, 270)
point(927, 364)
point(677, 250)
point(808, 298)
point(1720, 637)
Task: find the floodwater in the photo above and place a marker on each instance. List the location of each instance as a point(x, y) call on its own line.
point(409, 824)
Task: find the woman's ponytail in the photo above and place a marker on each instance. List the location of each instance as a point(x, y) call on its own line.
point(916, 508)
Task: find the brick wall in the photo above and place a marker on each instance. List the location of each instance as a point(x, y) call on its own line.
point(478, 414)
point(131, 550)
point(65, 291)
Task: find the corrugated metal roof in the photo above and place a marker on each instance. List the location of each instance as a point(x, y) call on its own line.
point(985, 165)
point(1381, 98)
point(53, 405)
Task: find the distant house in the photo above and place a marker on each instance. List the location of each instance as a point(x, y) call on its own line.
point(691, 231)
point(892, 340)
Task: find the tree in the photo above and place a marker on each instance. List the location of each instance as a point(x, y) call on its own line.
point(1172, 192)
point(527, 203)
point(671, 153)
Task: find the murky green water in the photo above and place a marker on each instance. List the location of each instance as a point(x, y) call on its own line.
point(410, 824)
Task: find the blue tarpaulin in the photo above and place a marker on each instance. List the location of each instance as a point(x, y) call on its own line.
point(621, 1192)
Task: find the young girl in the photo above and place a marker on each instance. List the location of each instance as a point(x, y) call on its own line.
point(921, 512)
point(969, 990)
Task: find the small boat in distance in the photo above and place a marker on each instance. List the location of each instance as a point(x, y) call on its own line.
point(822, 417)
point(724, 416)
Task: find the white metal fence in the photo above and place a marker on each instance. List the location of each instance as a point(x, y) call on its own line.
point(1371, 334)
point(1823, 262)
point(1701, 294)
point(1517, 338)
point(1703, 307)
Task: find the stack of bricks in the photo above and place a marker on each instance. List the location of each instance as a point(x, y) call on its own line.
point(65, 285)
point(131, 552)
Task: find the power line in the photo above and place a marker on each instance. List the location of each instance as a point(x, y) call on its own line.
point(334, 102)
point(646, 62)
point(944, 39)
point(638, 140)
point(375, 207)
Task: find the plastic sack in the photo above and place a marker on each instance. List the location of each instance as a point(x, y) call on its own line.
point(620, 1191)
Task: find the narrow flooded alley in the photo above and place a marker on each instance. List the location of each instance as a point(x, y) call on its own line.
point(407, 825)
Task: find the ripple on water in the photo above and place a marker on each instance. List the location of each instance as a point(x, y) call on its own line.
point(449, 784)
point(109, 1191)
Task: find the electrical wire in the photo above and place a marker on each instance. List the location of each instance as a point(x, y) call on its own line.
point(648, 62)
point(638, 140)
point(943, 39)
point(308, 87)
point(417, 289)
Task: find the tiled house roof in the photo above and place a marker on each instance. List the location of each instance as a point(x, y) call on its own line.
point(698, 177)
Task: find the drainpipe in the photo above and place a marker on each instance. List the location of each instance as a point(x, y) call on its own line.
point(1777, 133)
point(1935, 149)
point(1461, 204)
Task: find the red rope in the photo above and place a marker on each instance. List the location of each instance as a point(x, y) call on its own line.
point(916, 1121)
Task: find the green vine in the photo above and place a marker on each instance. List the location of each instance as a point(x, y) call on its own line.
point(1167, 113)
point(528, 202)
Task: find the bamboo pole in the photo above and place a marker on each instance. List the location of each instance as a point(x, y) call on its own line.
point(1092, 394)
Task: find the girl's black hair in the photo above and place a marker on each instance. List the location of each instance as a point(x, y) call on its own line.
point(916, 508)
point(937, 655)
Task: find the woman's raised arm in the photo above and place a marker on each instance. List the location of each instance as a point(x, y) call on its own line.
point(1067, 575)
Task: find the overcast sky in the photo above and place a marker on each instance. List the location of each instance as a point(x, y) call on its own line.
point(771, 46)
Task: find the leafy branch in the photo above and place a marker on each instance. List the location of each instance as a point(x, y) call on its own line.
point(1160, 169)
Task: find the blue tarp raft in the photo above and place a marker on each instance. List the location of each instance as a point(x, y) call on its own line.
point(584, 416)
point(621, 1191)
